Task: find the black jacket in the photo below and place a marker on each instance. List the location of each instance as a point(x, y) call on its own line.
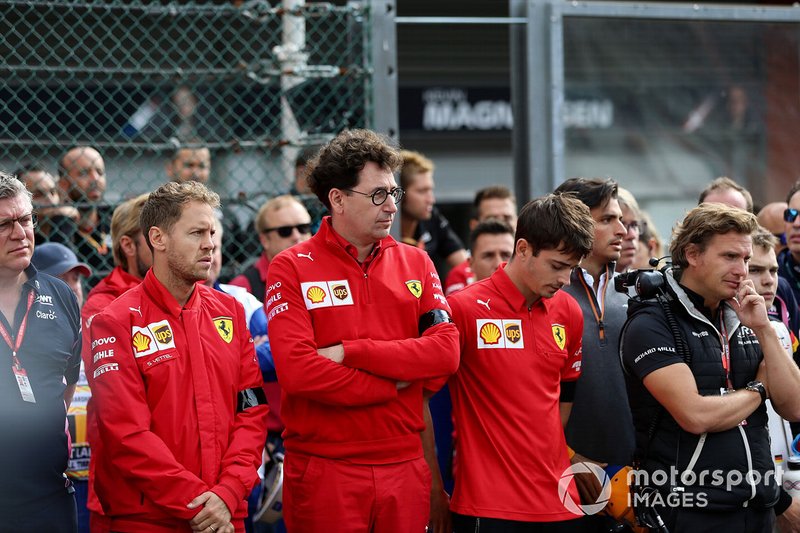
point(714, 464)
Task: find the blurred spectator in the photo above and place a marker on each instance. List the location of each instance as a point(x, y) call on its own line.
point(491, 243)
point(650, 244)
point(53, 217)
point(493, 202)
point(59, 261)
point(771, 217)
point(82, 180)
point(189, 163)
point(421, 224)
point(281, 222)
point(726, 191)
point(631, 219)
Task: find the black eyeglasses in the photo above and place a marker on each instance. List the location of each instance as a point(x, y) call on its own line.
point(286, 231)
point(790, 215)
point(632, 226)
point(380, 195)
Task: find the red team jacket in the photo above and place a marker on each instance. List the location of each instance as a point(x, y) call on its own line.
point(511, 446)
point(318, 295)
point(165, 386)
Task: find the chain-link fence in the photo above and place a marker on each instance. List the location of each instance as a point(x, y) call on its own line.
point(230, 92)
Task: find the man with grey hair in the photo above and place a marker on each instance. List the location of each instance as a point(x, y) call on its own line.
point(176, 387)
point(40, 328)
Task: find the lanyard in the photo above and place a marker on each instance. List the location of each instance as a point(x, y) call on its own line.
point(17, 342)
point(599, 314)
point(726, 349)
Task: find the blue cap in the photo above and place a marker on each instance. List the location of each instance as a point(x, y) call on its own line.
point(56, 259)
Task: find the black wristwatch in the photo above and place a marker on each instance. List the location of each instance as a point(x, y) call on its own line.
point(757, 386)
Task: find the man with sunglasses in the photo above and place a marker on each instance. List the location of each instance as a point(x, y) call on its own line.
point(359, 329)
point(281, 223)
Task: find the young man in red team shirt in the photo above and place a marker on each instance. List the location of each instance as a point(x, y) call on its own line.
point(359, 328)
point(520, 357)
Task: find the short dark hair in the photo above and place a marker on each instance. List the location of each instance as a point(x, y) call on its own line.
point(593, 192)
point(492, 192)
point(164, 206)
point(338, 163)
point(489, 227)
point(29, 167)
point(556, 222)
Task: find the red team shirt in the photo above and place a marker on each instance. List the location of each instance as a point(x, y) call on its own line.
point(511, 447)
point(318, 295)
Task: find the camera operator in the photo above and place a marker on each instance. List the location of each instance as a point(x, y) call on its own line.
point(701, 361)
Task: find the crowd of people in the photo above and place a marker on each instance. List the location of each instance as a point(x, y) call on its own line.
point(566, 374)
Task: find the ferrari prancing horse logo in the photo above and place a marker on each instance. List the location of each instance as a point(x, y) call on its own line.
point(224, 327)
point(559, 335)
point(415, 287)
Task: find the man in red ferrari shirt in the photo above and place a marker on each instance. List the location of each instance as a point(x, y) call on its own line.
point(520, 357)
point(176, 386)
point(359, 328)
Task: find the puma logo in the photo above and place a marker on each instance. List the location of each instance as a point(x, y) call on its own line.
point(307, 256)
point(137, 309)
point(486, 303)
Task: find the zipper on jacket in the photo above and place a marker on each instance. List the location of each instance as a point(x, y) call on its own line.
point(478, 524)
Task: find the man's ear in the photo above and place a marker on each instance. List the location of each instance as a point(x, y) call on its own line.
point(523, 248)
point(158, 238)
point(336, 198)
point(128, 246)
point(692, 254)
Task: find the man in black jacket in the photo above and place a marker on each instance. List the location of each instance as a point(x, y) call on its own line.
point(699, 412)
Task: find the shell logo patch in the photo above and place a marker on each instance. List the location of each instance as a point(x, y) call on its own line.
point(224, 326)
point(500, 333)
point(317, 293)
point(142, 341)
point(490, 333)
point(415, 287)
point(559, 335)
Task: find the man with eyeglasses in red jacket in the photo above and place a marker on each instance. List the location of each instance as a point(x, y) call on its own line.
point(359, 328)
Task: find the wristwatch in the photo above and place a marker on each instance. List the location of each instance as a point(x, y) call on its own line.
point(757, 386)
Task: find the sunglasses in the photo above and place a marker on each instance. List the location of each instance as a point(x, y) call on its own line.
point(790, 215)
point(286, 231)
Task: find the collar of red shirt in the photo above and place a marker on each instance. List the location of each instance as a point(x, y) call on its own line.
point(510, 292)
point(164, 299)
point(332, 236)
